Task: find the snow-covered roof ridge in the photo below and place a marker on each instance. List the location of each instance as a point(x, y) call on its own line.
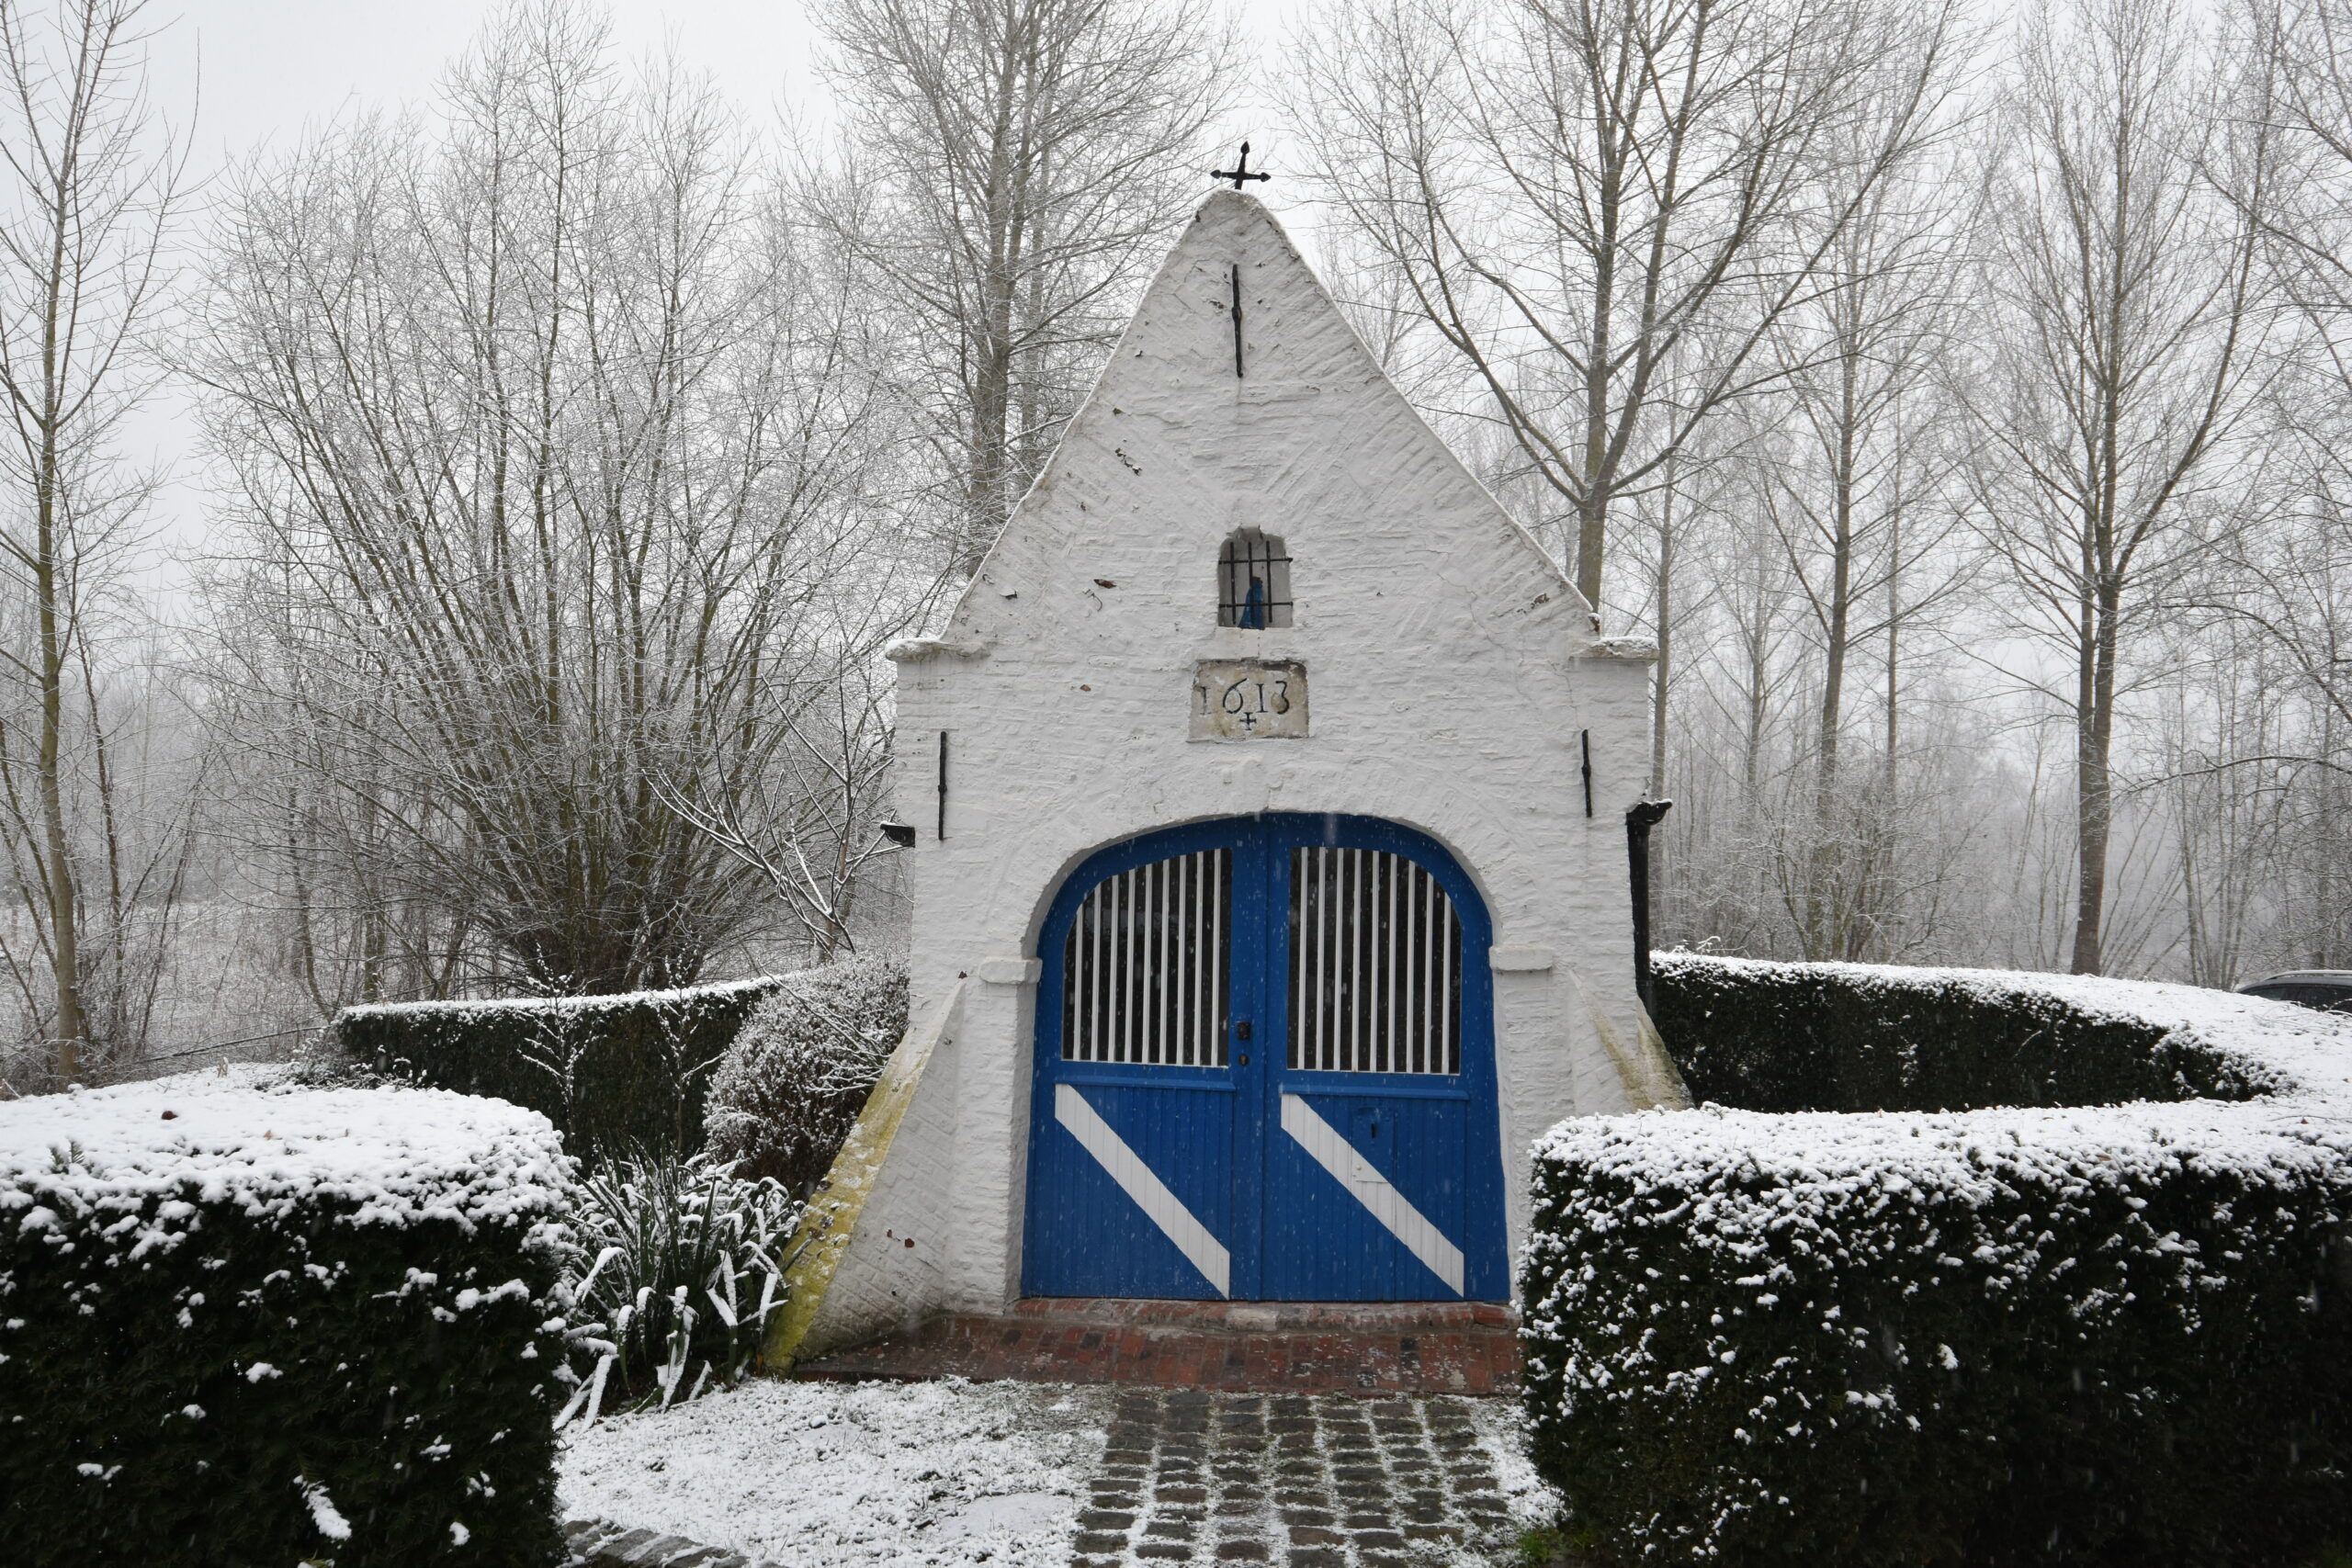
point(2304, 1123)
point(379, 1155)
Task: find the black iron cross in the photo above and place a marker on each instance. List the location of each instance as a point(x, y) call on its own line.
point(1240, 170)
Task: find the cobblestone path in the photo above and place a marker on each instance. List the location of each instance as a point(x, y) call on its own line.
point(1308, 1480)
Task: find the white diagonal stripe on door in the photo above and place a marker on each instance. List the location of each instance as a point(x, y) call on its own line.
point(1159, 1205)
point(1374, 1190)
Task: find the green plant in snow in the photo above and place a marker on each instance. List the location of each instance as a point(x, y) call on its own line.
point(679, 1265)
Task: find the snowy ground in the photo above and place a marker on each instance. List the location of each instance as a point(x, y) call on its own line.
point(859, 1475)
point(1501, 1426)
point(843, 1475)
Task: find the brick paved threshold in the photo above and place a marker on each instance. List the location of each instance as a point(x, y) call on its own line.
point(1409, 1347)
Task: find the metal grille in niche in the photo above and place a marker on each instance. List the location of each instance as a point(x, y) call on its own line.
point(1253, 581)
point(1144, 970)
point(1375, 966)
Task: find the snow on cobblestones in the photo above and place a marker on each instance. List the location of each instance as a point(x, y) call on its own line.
point(394, 1155)
point(843, 1475)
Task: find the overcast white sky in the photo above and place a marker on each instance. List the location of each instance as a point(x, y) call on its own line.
point(258, 72)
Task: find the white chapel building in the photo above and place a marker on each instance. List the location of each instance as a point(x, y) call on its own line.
point(1270, 884)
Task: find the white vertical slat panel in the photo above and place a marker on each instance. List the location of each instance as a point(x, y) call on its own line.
point(1395, 978)
point(1118, 968)
point(1105, 1015)
point(1329, 967)
point(1078, 981)
point(1359, 968)
point(1171, 969)
point(1339, 975)
point(1429, 972)
point(1136, 1043)
point(1343, 948)
point(1311, 916)
point(1146, 1047)
point(1081, 980)
point(1445, 993)
point(1213, 1016)
point(1203, 1004)
point(1408, 948)
point(1384, 967)
point(1156, 972)
point(1373, 965)
point(1162, 972)
point(1194, 1033)
point(1297, 1045)
point(1189, 939)
point(1154, 976)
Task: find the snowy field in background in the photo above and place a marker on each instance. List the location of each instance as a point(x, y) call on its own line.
point(843, 1475)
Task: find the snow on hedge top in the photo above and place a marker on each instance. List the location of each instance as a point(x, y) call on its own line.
point(377, 1156)
point(684, 994)
point(2304, 1124)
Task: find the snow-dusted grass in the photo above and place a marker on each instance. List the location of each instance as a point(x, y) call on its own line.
point(847, 1476)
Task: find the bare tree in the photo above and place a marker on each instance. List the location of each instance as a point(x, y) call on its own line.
point(808, 824)
point(93, 193)
point(1862, 505)
point(1577, 193)
point(1008, 168)
point(553, 441)
point(2131, 350)
point(2291, 578)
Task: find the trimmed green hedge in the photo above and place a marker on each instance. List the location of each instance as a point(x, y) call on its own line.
point(240, 1327)
point(2119, 1334)
point(1851, 1037)
point(625, 1073)
point(789, 1088)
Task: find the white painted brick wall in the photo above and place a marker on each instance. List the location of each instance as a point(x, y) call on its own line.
point(892, 1273)
point(1451, 666)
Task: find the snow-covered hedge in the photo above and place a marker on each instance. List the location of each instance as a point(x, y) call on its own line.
point(619, 1073)
point(790, 1087)
point(1858, 1037)
point(240, 1327)
point(1877, 1334)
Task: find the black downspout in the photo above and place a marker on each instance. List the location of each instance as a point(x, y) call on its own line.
point(1639, 820)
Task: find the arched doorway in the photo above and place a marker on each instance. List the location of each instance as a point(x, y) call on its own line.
point(1265, 1071)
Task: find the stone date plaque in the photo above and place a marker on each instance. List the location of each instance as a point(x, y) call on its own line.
point(1249, 699)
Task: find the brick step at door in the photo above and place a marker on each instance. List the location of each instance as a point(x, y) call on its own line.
point(1300, 1346)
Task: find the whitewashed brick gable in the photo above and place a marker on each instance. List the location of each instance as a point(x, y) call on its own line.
point(1451, 669)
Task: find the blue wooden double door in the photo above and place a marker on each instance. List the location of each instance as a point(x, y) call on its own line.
point(1265, 1071)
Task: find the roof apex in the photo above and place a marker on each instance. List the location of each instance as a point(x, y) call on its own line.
point(1175, 351)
